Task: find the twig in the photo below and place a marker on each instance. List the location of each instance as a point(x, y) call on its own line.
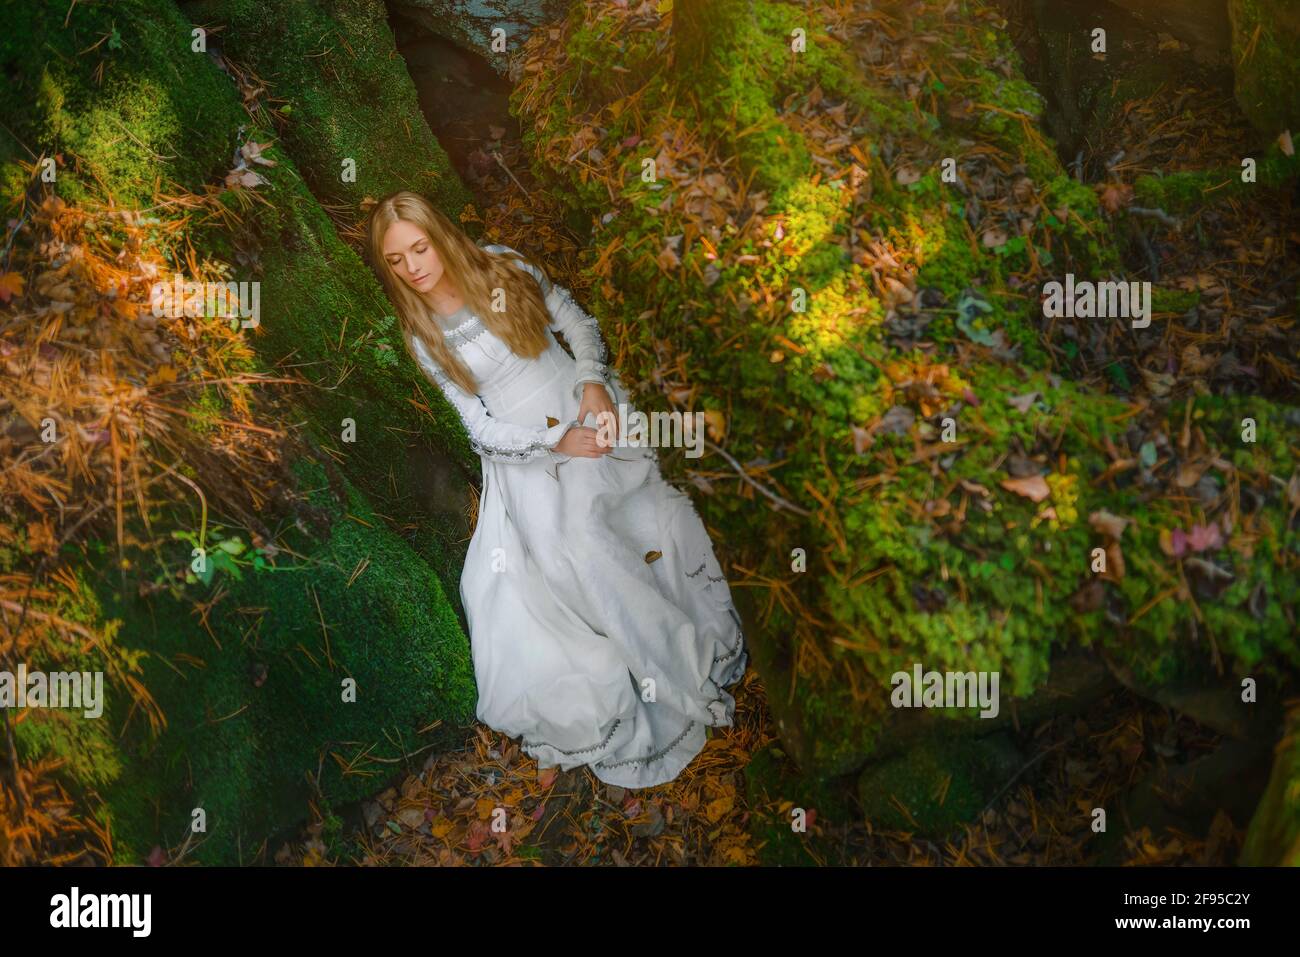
point(500, 162)
point(1015, 777)
point(783, 503)
point(1159, 214)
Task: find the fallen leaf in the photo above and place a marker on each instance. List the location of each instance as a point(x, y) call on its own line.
point(862, 439)
point(161, 375)
point(1115, 197)
point(1114, 562)
point(906, 176)
point(11, 284)
point(1173, 542)
point(994, 237)
point(1032, 487)
point(1108, 524)
point(715, 424)
point(551, 421)
point(897, 420)
point(1158, 383)
point(1189, 473)
point(1284, 141)
point(1022, 402)
point(1204, 537)
point(253, 151)
point(411, 817)
point(653, 557)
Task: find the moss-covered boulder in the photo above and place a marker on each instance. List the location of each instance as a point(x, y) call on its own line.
point(940, 784)
point(343, 103)
point(1266, 49)
point(1273, 837)
point(310, 680)
point(249, 720)
point(868, 341)
point(471, 23)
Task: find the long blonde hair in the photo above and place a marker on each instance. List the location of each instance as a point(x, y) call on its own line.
point(523, 325)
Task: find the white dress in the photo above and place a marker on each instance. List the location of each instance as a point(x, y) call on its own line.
point(581, 647)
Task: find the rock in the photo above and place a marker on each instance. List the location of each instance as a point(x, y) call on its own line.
point(932, 802)
point(470, 23)
point(1201, 23)
point(1273, 838)
point(1266, 47)
point(1186, 797)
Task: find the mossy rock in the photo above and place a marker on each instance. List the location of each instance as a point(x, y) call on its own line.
point(320, 303)
point(1273, 838)
point(158, 109)
point(1190, 190)
point(938, 785)
point(888, 585)
point(350, 97)
point(1266, 49)
point(256, 721)
point(239, 750)
point(771, 778)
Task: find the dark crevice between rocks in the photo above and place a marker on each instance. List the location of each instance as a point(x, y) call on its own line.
point(1081, 90)
point(461, 96)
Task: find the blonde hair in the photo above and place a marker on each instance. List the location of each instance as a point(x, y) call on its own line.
point(523, 325)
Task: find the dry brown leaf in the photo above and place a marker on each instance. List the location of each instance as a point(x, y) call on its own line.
point(1115, 197)
point(1108, 524)
point(1021, 403)
point(993, 238)
point(1032, 487)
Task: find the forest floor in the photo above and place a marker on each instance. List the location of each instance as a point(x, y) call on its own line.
point(1227, 252)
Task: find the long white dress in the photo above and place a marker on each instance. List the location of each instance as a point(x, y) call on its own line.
point(581, 647)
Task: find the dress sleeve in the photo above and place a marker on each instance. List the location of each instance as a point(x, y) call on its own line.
point(491, 438)
point(580, 330)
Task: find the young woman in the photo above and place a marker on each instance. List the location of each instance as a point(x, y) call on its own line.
point(601, 626)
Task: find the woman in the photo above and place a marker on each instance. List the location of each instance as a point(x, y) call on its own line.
point(601, 626)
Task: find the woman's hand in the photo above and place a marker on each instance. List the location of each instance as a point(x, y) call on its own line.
point(583, 442)
point(595, 399)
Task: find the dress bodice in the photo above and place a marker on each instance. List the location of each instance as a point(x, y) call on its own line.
point(513, 388)
point(517, 399)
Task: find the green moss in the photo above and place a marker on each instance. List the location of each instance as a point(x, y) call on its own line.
point(349, 96)
point(1176, 301)
point(1001, 593)
point(253, 756)
point(153, 107)
point(1194, 189)
point(938, 785)
point(241, 751)
point(773, 784)
point(1266, 48)
point(1273, 837)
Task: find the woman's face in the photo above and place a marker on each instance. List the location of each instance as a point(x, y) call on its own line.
point(412, 256)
